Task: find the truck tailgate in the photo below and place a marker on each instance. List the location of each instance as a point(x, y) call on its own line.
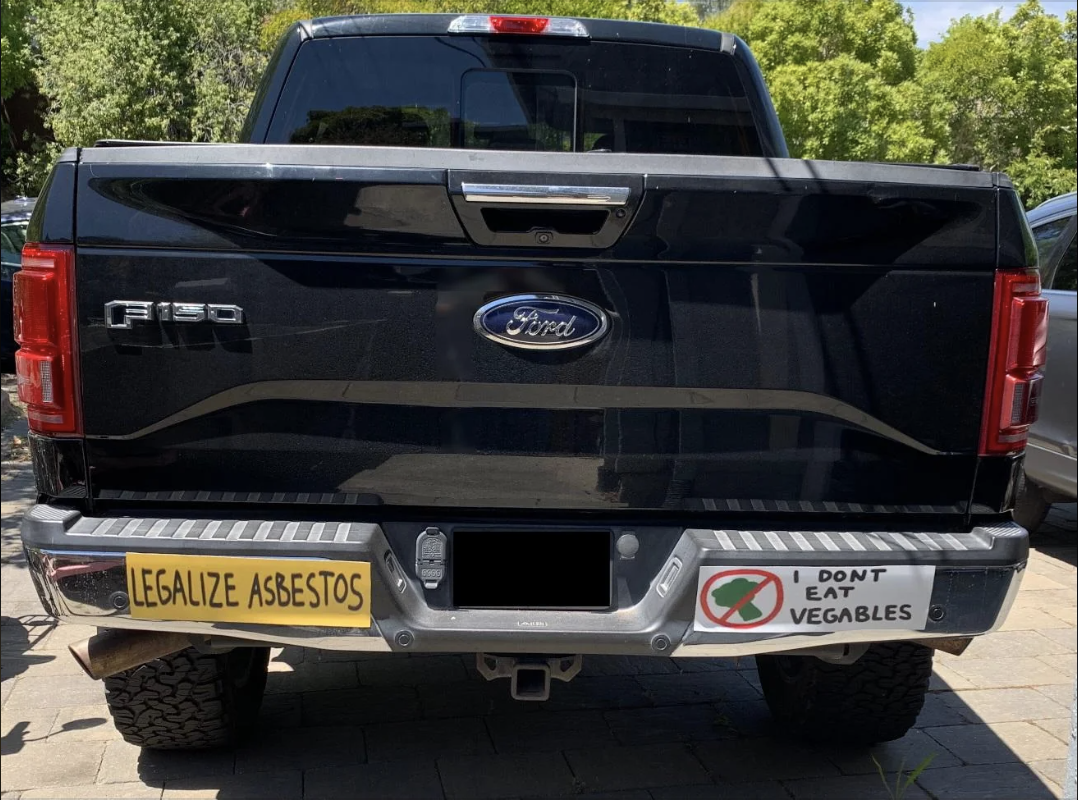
point(783, 336)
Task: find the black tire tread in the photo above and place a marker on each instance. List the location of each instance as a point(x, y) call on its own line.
point(186, 700)
point(877, 698)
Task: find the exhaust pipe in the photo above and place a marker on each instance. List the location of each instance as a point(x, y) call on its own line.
point(115, 650)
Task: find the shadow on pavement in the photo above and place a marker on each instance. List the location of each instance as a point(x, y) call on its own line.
point(18, 636)
point(1057, 537)
point(426, 727)
point(18, 495)
point(14, 739)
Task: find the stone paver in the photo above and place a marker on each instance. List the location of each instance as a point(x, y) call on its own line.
point(122, 762)
point(998, 705)
point(681, 723)
point(917, 747)
point(626, 767)
point(497, 776)
point(360, 706)
point(33, 693)
point(374, 727)
point(1031, 618)
point(756, 759)
point(1010, 742)
point(760, 790)
point(1065, 664)
point(431, 738)
point(1028, 644)
point(85, 723)
point(1064, 637)
point(1003, 781)
point(135, 790)
point(944, 709)
point(546, 731)
point(1012, 672)
point(1059, 727)
point(1051, 771)
point(947, 679)
point(39, 764)
point(311, 677)
point(406, 780)
point(301, 748)
point(260, 785)
point(860, 787)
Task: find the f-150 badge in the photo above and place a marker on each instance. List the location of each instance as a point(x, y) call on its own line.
point(124, 314)
point(541, 322)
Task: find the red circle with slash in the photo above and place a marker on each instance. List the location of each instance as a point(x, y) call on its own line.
point(766, 578)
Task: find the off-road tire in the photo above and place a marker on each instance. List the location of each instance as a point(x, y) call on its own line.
point(189, 700)
point(877, 698)
point(1030, 504)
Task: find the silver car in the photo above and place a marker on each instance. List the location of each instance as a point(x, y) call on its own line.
point(1050, 457)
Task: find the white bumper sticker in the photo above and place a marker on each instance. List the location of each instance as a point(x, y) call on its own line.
point(813, 598)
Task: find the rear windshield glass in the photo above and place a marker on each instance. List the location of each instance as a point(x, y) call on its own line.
point(506, 94)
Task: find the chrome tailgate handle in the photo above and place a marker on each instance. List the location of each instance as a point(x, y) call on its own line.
point(543, 193)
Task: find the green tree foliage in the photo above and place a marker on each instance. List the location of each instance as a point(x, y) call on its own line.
point(14, 46)
point(878, 33)
point(291, 12)
point(848, 82)
point(226, 66)
point(115, 68)
point(839, 72)
point(15, 70)
point(1006, 92)
point(145, 69)
point(709, 8)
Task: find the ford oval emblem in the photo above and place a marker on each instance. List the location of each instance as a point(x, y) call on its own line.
point(541, 322)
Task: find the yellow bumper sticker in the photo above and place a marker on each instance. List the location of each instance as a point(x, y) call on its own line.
point(249, 590)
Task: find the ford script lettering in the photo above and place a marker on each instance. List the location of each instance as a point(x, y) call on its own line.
point(541, 322)
point(529, 320)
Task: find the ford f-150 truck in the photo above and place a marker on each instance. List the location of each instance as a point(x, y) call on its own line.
point(525, 337)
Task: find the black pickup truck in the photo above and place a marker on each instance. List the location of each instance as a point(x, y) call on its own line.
point(524, 337)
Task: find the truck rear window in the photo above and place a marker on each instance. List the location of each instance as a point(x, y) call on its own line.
point(512, 94)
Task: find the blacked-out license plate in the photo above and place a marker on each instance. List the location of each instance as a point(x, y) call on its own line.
point(549, 570)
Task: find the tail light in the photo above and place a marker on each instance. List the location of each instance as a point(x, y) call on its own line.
point(1017, 353)
point(534, 26)
point(43, 312)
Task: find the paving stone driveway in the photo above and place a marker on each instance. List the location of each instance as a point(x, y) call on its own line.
point(334, 726)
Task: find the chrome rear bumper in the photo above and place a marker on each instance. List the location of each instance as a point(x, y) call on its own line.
point(78, 564)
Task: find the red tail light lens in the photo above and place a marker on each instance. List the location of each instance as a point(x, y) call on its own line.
point(550, 26)
point(519, 24)
point(1017, 353)
point(43, 312)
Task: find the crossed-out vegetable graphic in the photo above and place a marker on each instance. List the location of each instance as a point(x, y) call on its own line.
point(751, 597)
point(734, 591)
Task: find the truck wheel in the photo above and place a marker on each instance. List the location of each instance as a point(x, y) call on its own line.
point(1030, 505)
point(189, 700)
point(878, 698)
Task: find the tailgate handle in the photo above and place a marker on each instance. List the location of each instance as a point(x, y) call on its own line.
point(538, 193)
